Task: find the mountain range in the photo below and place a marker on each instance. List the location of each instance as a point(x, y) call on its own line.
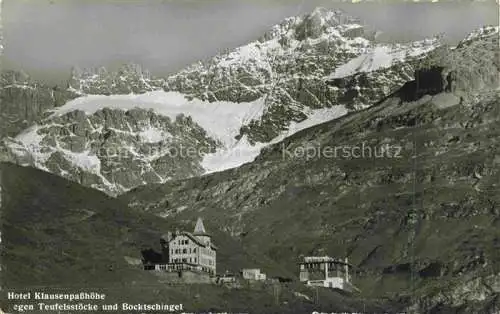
point(312, 140)
point(225, 109)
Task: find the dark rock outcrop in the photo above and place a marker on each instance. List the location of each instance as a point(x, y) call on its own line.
point(430, 81)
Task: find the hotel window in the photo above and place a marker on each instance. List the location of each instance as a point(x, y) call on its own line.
point(184, 251)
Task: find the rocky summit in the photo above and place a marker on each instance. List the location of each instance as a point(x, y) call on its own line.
point(291, 64)
point(407, 189)
point(117, 130)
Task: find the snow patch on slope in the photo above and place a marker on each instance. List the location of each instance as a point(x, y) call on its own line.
point(153, 135)
point(254, 52)
point(382, 57)
point(222, 120)
point(244, 152)
point(32, 140)
point(83, 160)
point(28, 144)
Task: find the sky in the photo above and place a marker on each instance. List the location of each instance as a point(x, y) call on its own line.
point(46, 38)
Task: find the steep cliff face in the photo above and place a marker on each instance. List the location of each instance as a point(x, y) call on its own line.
point(24, 102)
point(407, 189)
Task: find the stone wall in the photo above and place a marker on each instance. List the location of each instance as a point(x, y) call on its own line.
point(185, 277)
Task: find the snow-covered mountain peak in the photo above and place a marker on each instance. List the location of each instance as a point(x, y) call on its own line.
point(324, 22)
point(332, 17)
point(323, 33)
point(310, 25)
point(485, 31)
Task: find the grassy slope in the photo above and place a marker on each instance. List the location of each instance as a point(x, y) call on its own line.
point(59, 236)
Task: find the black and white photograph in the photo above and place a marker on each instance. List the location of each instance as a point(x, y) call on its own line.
point(250, 156)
